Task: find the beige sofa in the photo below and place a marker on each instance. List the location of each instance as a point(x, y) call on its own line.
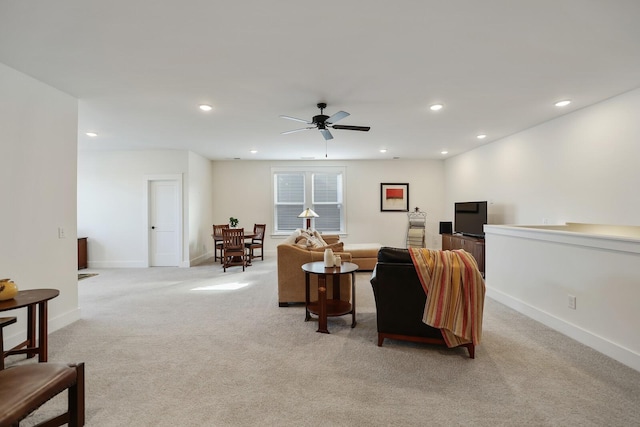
point(292, 255)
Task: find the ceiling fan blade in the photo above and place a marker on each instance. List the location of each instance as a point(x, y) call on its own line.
point(347, 127)
point(296, 130)
point(296, 119)
point(337, 116)
point(327, 135)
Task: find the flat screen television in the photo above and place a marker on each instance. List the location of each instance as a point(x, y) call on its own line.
point(469, 218)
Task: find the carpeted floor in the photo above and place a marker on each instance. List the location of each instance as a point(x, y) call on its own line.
point(199, 347)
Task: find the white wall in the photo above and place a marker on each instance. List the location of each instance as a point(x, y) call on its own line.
point(112, 210)
point(243, 189)
point(200, 204)
point(581, 167)
point(38, 145)
point(111, 203)
point(535, 271)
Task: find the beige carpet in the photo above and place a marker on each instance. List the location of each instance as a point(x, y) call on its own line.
point(199, 347)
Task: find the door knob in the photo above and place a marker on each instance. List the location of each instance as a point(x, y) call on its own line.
point(153, 227)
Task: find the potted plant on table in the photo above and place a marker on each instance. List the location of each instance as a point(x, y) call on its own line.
point(233, 222)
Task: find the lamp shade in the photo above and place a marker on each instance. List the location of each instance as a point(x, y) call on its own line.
point(308, 213)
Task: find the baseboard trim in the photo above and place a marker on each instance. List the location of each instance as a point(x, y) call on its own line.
point(117, 264)
point(200, 259)
point(598, 343)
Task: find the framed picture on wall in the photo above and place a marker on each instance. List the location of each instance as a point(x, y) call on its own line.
point(394, 197)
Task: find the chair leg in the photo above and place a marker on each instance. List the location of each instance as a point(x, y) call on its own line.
point(76, 399)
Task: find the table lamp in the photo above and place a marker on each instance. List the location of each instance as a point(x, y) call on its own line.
point(308, 214)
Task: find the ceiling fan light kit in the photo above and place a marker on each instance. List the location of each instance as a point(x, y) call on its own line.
point(323, 123)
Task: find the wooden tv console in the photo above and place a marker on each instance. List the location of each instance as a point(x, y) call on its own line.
point(473, 245)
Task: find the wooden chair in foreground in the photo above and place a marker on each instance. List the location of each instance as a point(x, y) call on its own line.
point(233, 250)
point(217, 240)
point(24, 388)
point(257, 241)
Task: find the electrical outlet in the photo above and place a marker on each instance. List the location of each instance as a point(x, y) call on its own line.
point(571, 299)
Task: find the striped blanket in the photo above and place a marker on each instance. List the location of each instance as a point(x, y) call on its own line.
point(455, 293)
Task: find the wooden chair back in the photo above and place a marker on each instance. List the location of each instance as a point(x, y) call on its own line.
point(217, 231)
point(257, 240)
point(233, 249)
point(259, 230)
point(217, 240)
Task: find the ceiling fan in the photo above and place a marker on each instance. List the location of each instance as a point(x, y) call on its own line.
point(323, 122)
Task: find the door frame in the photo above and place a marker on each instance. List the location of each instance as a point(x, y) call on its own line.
point(148, 179)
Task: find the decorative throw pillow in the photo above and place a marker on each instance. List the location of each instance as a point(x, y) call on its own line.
point(335, 247)
point(290, 240)
point(302, 242)
point(319, 237)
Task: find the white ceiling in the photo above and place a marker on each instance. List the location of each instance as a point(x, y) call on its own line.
point(141, 68)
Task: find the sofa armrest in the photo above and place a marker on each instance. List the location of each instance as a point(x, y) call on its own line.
point(331, 238)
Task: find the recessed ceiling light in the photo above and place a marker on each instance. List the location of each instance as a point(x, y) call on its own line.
point(384, 150)
point(436, 107)
point(253, 151)
point(563, 103)
point(92, 134)
point(481, 136)
point(205, 107)
point(444, 152)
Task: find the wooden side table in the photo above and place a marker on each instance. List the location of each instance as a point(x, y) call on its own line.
point(36, 302)
point(329, 307)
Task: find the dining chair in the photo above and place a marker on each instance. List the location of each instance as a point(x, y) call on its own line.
point(233, 249)
point(217, 240)
point(257, 241)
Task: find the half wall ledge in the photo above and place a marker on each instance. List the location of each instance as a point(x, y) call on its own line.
point(538, 269)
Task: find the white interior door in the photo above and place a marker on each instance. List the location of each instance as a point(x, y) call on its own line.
point(164, 224)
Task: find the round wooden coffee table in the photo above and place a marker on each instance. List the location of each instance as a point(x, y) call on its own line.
point(334, 306)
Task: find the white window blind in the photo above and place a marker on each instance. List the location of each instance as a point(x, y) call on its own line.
point(321, 189)
point(327, 201)
point(289, 200)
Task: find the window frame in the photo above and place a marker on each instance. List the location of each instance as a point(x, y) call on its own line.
point(308, 173)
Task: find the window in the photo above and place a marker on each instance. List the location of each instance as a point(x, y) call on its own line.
point(321, 189)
